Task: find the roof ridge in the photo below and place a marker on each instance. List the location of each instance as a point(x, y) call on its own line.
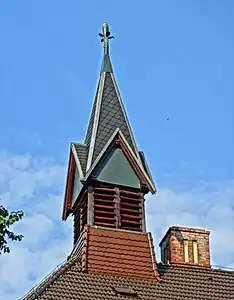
point(222, 269)
point(50, 278)
point(213, 268)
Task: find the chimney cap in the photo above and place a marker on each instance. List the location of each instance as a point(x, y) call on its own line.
point(184, 229)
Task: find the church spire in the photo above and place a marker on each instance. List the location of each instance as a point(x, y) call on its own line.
point(108, 113)
point(108, 161)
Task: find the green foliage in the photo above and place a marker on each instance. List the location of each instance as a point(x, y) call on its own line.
point(6, 220)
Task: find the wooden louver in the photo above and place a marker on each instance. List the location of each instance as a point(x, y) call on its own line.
point(111, 207)
point(131, 210)
point(118, 208)
point(80, 216)
point(104, 207)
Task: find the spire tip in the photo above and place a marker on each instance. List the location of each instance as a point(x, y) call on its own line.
point(105, 37)
point(105, 28)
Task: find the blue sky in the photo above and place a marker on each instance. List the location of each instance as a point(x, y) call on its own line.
point(172, 59)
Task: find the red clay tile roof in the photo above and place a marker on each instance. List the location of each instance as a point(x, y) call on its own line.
point(179, 283)
point(118, 253)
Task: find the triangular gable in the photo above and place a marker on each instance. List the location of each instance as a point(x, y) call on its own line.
point(74, 177)
point(119, 139)
point(116, 169)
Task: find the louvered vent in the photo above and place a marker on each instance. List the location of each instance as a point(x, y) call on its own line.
point(104, 207)
point(80, 216)
point(130, 210)
point(109, 206)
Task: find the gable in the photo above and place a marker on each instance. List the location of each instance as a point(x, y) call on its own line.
point(77, 186)
point(73, 183)
point(118, 139)
point(116, 169)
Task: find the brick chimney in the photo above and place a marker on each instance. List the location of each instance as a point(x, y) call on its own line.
point(186, 246)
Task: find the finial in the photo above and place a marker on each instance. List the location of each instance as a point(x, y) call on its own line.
point(105, 37)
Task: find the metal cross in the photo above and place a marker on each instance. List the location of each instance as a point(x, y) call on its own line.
point(105, 37)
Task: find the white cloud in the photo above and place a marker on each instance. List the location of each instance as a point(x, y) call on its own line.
point(14, 271)
point(51, 206)
point(37, 186)
point(36, 229)
point(22, 176)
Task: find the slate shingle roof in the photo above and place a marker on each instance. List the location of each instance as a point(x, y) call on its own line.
point(107, 115)
point(111, 117)
point(91, 121)
point(81, 151)
point(179, 283)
